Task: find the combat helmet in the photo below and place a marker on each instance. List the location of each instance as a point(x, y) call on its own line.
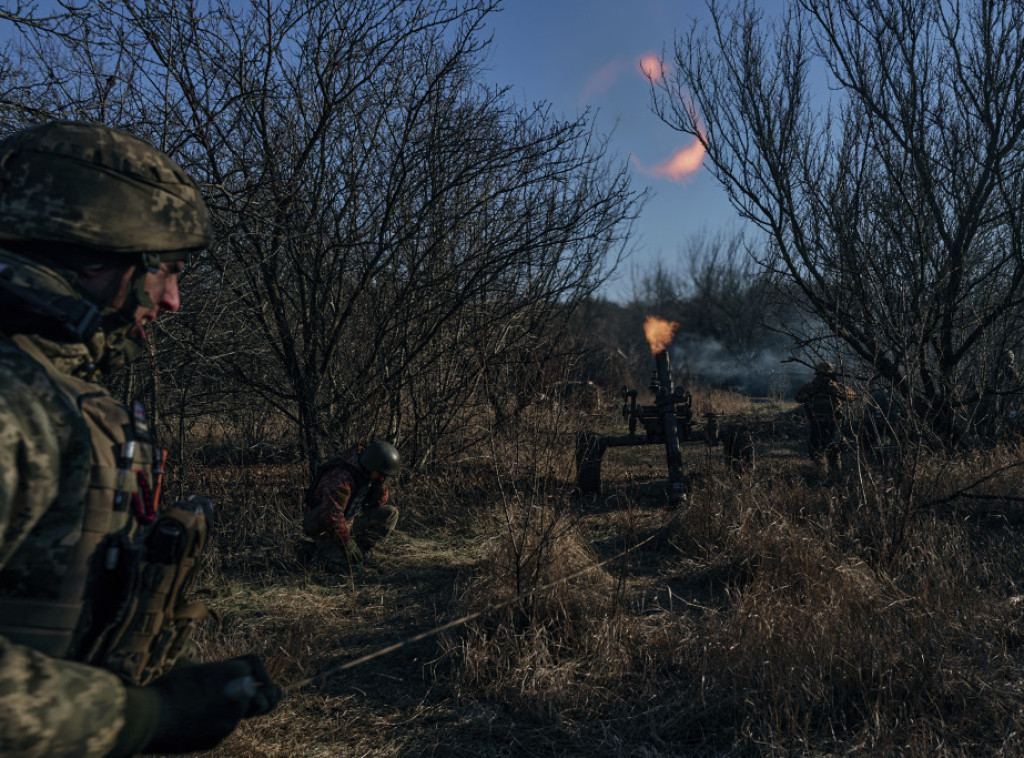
point(380, 456)
point(97, 187)
point(825, 368)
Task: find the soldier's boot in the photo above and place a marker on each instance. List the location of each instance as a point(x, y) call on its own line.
point(311, 522)
point(353, 555)
point(305, 551)
point(334, 559)
point(819, 465)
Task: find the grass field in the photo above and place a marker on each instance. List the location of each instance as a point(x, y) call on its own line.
point(768, 615)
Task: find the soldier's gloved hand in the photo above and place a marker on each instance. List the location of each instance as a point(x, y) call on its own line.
point(376, 495)
point(195, 707)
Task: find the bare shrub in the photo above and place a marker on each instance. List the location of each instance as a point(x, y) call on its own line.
point(889, 209)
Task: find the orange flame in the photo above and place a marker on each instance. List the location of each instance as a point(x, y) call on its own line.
point(659, 333)
point(652, 68)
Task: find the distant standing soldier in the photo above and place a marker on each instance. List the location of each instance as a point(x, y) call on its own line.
point(823, 398)
point(1008, 386)
point(347, 509)
point(95, 228)
point(996, 413)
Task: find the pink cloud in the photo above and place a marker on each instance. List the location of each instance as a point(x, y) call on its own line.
point(649, 66)
point(652, 68)
point(682, 163)
point(602, 80)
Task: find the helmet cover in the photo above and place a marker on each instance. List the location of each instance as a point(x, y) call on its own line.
point(91, 185)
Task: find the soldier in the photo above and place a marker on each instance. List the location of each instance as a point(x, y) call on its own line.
point(347, 512)
point(823, 398)
point(95, 227)
point(1007, 385)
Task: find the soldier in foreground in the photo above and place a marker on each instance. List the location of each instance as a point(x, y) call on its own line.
point(347, 510)
point(95, 227)
point(823, 399)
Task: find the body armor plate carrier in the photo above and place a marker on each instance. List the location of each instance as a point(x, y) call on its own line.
point(121, 602)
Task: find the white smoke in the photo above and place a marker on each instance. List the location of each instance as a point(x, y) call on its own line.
point(758, 371)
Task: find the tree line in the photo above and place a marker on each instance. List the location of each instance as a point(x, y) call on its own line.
point(402, 247)
point(877, 147)
point(398, 243)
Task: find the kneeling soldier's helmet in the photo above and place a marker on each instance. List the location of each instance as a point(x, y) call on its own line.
point(826, 368)
point(380, 456)
point(101, 188)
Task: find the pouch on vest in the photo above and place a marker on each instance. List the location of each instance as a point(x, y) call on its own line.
point(157, 624)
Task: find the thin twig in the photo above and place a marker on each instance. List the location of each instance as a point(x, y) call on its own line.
point(966, 491)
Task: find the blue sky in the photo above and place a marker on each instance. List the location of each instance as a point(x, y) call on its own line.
point(580, 53)
point(576, 54)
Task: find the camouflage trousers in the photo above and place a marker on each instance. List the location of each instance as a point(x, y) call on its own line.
point(369, 529)
point(824, 445)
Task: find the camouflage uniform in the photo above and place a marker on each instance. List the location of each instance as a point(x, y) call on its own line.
point(47, 706)
point(76, 187)
point(823, 398)
point(345, 485)
point(998, 412)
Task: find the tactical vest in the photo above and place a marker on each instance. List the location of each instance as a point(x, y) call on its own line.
point(822, 406)
point(120, 602)
point(358, 475)
point(363, 491)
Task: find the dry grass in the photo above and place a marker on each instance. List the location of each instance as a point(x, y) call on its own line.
point(769, 615)
point(733, 404)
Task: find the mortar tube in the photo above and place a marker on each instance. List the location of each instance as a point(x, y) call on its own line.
point(667, 410)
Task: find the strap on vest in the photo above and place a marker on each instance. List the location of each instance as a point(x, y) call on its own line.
point(50, 625)
point(44, 625)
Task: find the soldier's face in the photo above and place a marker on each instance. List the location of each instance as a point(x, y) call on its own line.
point(108, 286)
point(162, 288)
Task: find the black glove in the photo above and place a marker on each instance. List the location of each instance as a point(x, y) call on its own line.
point(195, 707)
point(375, 495)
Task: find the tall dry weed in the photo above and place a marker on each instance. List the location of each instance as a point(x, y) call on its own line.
point(561, 643)
point(860, 619)
point(855, 620)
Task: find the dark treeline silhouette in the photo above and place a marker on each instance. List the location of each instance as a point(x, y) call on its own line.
point(734, 321)
point(878, 147)
point(398, 245)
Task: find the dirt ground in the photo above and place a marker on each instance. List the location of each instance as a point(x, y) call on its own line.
point(686, 581)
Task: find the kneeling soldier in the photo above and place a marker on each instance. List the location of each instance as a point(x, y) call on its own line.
point(347, 510)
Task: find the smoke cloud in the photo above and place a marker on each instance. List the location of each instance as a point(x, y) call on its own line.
point(759, 371)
